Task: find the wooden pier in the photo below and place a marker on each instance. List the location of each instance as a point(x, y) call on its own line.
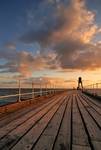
point(70, 121)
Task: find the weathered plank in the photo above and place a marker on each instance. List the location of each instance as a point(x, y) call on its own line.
point(47, 139)
point(7, 118)
point(79, 133)
point(56, 125)
point(80, 147)
point(64, 136)
point(93, 130)
point(31, 137)
point(23, 119)
point(14, 135)
point(93, 103)
point(92, 110)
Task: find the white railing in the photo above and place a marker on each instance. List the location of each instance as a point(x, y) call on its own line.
point(94, 89)
point(30, 95)
point(22, 89)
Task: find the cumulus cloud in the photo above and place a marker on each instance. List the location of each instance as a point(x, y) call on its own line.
point(69, 30)
point(25, 63)
point(65, 34)
point(73, 21)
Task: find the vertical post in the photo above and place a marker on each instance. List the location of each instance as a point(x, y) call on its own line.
point(40, 89)
point(96, 88)
point(32, 90)
point(53, 89)
point(19, 100)
point(50, 88)
point(93, 88)
point(46, 88)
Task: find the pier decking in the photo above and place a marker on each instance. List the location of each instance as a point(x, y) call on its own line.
point(70, 121)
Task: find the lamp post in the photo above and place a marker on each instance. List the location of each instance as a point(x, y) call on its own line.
point(33, 91)
point(19, 99)
point(53, 89)
point(40, 87)
point(50, 88)
point(96, 89)
point(46, 88)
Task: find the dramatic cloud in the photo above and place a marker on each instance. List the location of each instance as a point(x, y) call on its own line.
point(69, 31)
point(25, 63)
point(64, 31)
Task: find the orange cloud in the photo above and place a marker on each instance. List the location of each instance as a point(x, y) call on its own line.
point(69, 36)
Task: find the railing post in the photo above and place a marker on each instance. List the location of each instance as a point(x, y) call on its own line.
point(93, 89)
point(53, 89)
point(19, 99)
point(40, 89)
point(96, 88)
point(50, 88)
point(33, 91)
point(46, 88)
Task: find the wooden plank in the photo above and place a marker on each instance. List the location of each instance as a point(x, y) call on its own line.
point(79, 133)
point(64, 136)
point(94, 104)
point(92, 110)
point(47, 139)
point(94, 131)
point(97, 144)
point(6, 129)
point(80, 147)
point(7, 118)
point(94, 101)
point(96, 116)
point(33, 134)
point(13, 136)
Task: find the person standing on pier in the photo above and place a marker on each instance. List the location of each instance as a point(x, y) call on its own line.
point(80, 83)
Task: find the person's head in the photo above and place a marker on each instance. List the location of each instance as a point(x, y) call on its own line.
point(79, 79)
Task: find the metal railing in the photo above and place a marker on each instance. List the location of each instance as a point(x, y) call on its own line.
point(94, 89)
point(18, 90)
point(29, 95)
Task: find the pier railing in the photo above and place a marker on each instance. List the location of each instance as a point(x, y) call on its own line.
point(94, 89)
point(23, 90)
point(31, 95)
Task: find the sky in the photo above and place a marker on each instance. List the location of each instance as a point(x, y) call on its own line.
point(53, 40)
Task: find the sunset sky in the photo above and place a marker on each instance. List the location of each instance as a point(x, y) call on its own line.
point(56, 40)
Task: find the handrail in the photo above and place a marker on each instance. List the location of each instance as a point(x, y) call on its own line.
point(94, 89)
point(44, 88)
point(14, 95)
point(92, 85)
point(30, 93)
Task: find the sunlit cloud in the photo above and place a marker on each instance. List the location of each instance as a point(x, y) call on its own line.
point(25, 63)
point(70, 35)
point(65, 35)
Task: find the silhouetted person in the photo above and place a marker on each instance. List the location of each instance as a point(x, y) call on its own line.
point(80, 83)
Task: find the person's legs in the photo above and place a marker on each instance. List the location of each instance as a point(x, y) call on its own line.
point(78, 85)
point(81, 85)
